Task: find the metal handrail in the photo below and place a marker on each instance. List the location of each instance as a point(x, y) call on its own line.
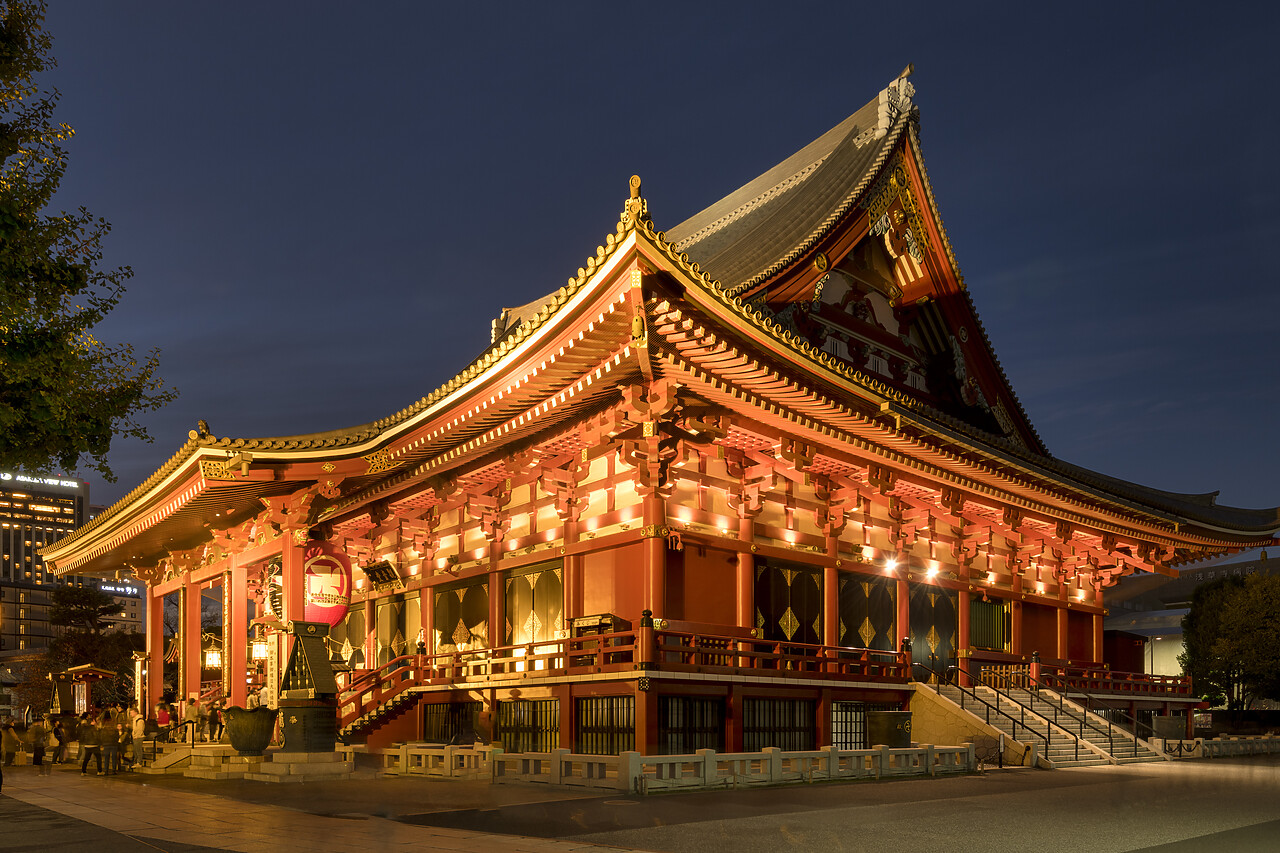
point(1083, 721)
point(944, 678)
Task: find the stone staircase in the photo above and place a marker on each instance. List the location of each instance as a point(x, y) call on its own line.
point(1063, 750)
point(171, 759)
point(1115, 741)
point(1075, 739)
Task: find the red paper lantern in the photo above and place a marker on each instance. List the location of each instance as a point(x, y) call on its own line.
point(327, 573)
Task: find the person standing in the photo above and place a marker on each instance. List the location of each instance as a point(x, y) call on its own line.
point(163, 721)
point(191, 717)
point(215, 721)
point(59, 743)
point(9, 744)
point(109, 737)
point(90, 743)
point(39, 734)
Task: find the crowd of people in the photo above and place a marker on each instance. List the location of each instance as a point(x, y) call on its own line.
point(110, 737)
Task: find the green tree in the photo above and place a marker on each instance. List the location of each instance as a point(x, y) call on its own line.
point(1212, 676)
point(1250, 637)
point(63, 393)
point(82, 609)
point(1231, 640)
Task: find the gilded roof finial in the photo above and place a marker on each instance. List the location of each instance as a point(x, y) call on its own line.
point(636, 208)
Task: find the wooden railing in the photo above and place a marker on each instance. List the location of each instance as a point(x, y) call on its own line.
point(1084, 680)
point(366, 692)
point(711, 653)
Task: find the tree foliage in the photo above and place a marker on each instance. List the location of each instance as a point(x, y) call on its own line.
point(63, 393)
point(1231, 640)
point(83, 608)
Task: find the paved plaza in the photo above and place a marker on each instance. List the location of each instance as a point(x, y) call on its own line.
point(1173, 807)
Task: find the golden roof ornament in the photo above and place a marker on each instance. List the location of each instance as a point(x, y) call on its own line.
point(636, 210)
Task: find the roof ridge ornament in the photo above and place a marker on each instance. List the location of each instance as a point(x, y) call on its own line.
point(636, 210)
point(895, 100)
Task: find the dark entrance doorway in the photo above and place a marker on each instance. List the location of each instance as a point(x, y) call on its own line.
point(933, 629)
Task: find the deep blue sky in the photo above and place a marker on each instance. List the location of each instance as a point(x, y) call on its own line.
point(325, 203)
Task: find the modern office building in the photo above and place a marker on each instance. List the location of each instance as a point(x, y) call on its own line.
point(34, 511)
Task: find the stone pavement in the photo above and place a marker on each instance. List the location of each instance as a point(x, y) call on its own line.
point(128, 813)
point(1222, 806)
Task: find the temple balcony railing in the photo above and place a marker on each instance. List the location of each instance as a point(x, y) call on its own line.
point(367, 694)
point(1087, 680)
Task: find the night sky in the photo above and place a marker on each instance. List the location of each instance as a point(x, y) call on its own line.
point(324, 204)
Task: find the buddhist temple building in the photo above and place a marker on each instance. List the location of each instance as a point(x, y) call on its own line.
point(734, 485)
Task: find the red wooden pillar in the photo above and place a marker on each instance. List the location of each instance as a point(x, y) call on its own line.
point(904, 604)
point(646, 720)
point(294, 591)
point(1097, 638)
point(830, 606)
point(189, 672)
point(293, 594)
point(573, 589)
point(733, 719)
point(746, 609)
point(1063, 647)
point(1015, 627)
point(427, 618)
point(822, 725)
point(497, 607)
point(155, 650)
point(655, 546)
point(963, 649)
point(370, 635)
point(235, 650)
point(568, 715)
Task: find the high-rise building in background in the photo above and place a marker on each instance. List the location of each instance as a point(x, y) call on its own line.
point(34, 511)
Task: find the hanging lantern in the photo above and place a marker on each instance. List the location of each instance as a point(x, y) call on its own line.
point(327, 574)
point(258, 650)
point(213, 657)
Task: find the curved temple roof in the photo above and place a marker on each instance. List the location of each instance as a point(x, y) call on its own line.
point(740, 241)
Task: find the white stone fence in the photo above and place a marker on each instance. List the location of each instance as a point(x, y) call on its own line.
point(633, 772)
point(1224, 747)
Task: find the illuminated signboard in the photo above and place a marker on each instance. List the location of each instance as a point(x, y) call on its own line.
point(119, 589)
point(38, 481)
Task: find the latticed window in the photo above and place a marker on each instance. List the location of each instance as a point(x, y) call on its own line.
point(606, 725)
point(849, 722)
point(989, 624)
point(453, 722)
point(787, 724)
point(687, 724)
point(527, 725)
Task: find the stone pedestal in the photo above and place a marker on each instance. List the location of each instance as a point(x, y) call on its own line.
point(302, 767)
point(221, 762)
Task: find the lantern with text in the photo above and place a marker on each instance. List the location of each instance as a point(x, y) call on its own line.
point(327, 573)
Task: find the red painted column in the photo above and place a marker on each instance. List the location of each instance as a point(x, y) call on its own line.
point(904, 605)
point(370, 635)
point(746, 609)
point(1097, 638)
point(235, 650)
point(427, 618)
point(155, 650)
point(497, 607)
point(189, 677)
point(830, 606)
point(963, 649)
point(573, 590)
point(1063, 646)
point(294, 592)
point(293, 595)
point(1015, 627)
point(655, 546)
